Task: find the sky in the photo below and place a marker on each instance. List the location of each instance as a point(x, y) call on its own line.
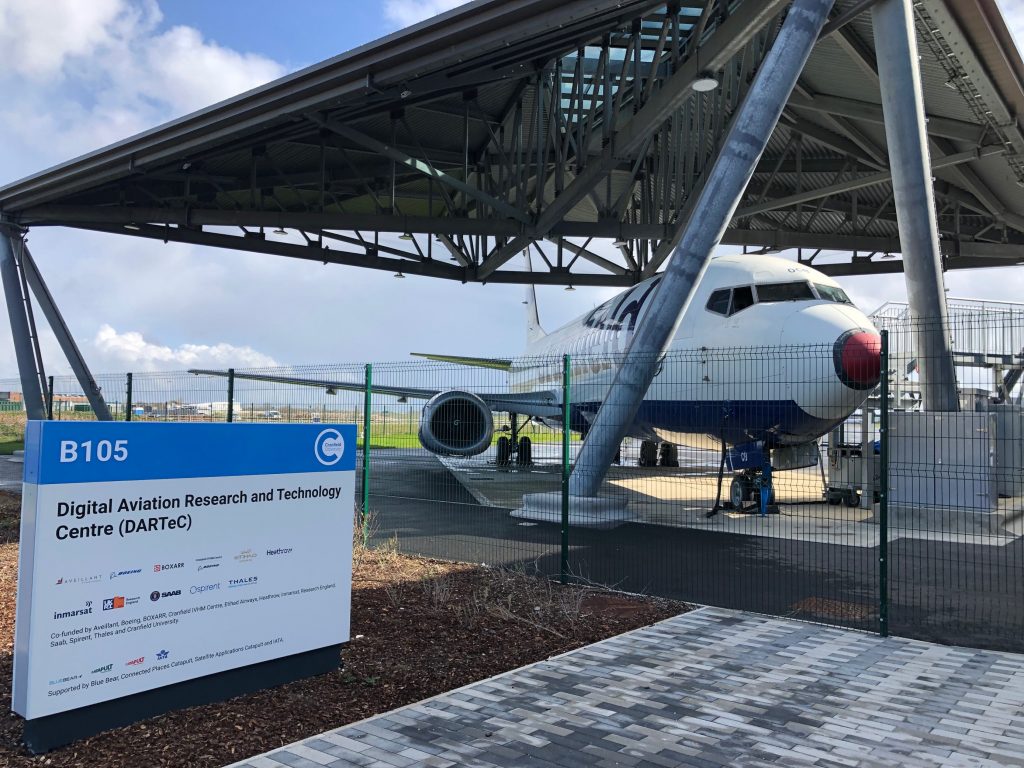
point(79, 75)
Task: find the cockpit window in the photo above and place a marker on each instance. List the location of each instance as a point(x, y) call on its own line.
point(799, 291)
point(741, 299)
point(719, 301)
point(832, 293)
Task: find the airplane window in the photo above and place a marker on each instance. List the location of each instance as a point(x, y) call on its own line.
point(741, 299)
point(719, 302)
point(785, 292)
point(832, 293)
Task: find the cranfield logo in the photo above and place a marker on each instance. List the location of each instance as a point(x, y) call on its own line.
point(278, 551)
point(329, 447)
point(198, 589)
point(129, 572)
point(77, 612)
point(156, 594)
point(246, 582)
point(246, 556)
point(102, 670)
point(167, 567)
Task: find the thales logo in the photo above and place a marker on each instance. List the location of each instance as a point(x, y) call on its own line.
point(329, 447)
point(102, 670)
point(232, 583)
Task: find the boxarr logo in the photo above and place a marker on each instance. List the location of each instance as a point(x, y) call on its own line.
point(329, 447)
point(159, 567)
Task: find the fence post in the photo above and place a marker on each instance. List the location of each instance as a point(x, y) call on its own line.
point(231, 396)
point(883, 493)
point(128, 397)
point(49, 399)
point(367, 404)
point(566, 437)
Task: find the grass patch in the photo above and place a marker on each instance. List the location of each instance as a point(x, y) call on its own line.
point(7, 447)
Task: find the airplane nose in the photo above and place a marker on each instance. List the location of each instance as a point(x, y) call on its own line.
point(858, 359)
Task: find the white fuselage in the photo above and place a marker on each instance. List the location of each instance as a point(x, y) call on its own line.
point(756, 356)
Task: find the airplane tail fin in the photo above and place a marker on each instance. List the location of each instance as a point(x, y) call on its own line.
point(533, 330)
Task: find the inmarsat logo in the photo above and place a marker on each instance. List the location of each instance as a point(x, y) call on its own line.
point(329, 447)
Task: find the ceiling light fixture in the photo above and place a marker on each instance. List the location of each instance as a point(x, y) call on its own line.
point(704, 82)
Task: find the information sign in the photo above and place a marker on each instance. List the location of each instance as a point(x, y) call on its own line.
point(152, 554)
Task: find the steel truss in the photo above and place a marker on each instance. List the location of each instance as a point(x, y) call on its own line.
point(584, 125)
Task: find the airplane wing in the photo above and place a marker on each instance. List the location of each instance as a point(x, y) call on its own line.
point(497, 363)
point(543, 404)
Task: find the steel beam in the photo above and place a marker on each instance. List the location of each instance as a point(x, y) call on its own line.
point(902, 100)
point(745, 143)
point(26, 350)
point(64, 338)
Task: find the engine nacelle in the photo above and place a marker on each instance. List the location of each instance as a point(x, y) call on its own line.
point(456, 423)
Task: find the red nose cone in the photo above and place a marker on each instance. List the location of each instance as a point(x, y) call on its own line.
point(859, 359)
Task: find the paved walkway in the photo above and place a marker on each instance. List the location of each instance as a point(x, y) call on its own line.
point(709, 688)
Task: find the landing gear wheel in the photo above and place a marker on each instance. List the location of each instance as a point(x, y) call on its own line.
point(524, 456)
point(835, 497)
point(851, 499)
point(738, 492)
point(648, 454)
point(668, 455)
point(504, 452)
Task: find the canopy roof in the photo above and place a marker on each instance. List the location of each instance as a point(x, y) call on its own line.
point(510, 123)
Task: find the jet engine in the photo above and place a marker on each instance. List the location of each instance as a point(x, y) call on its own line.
point(456, 423)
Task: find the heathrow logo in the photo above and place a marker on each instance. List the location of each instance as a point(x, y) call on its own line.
point(329, 447)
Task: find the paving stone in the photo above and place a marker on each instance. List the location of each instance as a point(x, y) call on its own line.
point(709, 688)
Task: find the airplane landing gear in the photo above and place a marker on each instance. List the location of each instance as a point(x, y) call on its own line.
point(654, 454)
point(648, 454)
point(512, 447)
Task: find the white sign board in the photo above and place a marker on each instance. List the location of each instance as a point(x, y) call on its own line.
point(152, 554)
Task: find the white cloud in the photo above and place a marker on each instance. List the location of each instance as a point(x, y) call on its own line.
point(408, 12)
point(1013, 12)
point(131, 349)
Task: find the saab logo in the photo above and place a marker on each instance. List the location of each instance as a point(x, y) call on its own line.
point(167, 567)
point(131, 572)
point(161, 655)
point(278, 551)
point(102, 670)
point(329, 447)
point(200, 588)
point(246, 556)
point(241, 582)
point(135, 662)
point(77, 612)
point(156, 594)
point(112, 603)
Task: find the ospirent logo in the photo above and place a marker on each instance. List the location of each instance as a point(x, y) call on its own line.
point(329, 447)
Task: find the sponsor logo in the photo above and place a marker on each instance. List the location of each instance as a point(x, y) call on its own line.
point(159, 567)
point(161, 655)
point(135, 662)
point(156, 594)
point(200, 588)
point(329, 447)
point(246, 556)
point(206, 566)
point(246, 582)
point(129, 572)
point(278, 551)
point(65, 680)
point(102, 670)
point(211, 557)
point(80, 579)
point(76, 612)
point(112, 603)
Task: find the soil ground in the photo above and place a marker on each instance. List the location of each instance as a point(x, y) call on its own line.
point(419, 627)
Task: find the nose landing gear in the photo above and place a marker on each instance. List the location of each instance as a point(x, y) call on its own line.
point(753, 485)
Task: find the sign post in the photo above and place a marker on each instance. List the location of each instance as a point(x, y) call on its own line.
point(169, 565)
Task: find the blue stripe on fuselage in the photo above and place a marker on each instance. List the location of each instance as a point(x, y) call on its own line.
point(735, 421)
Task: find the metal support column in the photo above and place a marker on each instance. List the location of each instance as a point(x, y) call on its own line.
point(899, 75)
point(25, 347)
point(67, 343)
point(743, 146)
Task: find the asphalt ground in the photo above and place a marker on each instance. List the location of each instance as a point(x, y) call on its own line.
point(940, 591)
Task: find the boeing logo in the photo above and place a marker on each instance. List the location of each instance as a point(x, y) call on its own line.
point(329, 447)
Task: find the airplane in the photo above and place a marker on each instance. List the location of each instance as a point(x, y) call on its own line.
point(769, 356)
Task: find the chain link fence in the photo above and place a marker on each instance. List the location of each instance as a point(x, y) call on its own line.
point(874, 515)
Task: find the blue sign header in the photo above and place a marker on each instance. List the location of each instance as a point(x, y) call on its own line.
point(109, 451)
